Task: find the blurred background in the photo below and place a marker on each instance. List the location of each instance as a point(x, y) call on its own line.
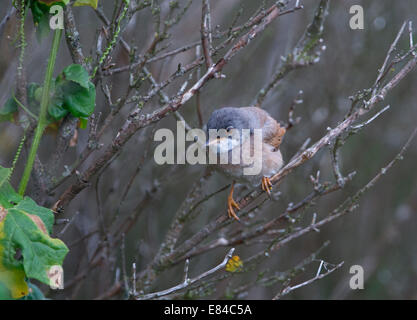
point(380, 235)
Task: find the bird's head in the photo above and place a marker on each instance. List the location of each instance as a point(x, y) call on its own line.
point(225, 128)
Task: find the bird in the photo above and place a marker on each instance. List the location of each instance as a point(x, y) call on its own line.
point(234, 121)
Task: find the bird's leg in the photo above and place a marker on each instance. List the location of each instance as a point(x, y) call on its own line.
point(266, 185)
point(231, 203)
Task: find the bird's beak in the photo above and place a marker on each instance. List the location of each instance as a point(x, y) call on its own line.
point(216, 141)
point(222, 144)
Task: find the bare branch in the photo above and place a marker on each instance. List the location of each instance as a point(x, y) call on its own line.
point(295, 162)
point(391, 49)
point(303, 53)
point(318, 276)
point(187, 282)
point(206, 37)
point(136, 120)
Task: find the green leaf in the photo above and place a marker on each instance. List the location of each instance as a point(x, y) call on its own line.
point(40, 252)
point(27, 205)
point(34, 293)
point(8, 197)
point(24, 232)
point(7, 111)
point(77, 74)
point(50, 2)
point(38, 94)
point(91, 3)
point(40, 13)
point(57, 112)
point(74, 93)
point(33, 89)
point(39, 10)
point(83, 123)
point(4, 176)
point(78, 100)
point(12, 282)
point(5, 294)
point(43, 29)
point(12, 275)
point(56, 109)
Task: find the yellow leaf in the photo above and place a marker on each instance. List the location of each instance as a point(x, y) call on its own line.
point(234, 264)
point(12, 278)
point(91, 3)
point(14, 281)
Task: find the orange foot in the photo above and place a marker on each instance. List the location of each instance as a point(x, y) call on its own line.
point(231, 203)
point(266, 185)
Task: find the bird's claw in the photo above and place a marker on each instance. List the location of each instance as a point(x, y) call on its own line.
point(231, 203)
point(266, 185)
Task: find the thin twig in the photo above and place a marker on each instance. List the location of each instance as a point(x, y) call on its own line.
point(319, 276)
point(187, 282)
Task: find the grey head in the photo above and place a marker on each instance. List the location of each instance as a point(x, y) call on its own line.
point(231, 121)
point(230, 117)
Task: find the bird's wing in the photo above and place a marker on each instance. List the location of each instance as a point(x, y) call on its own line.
point(272, 132)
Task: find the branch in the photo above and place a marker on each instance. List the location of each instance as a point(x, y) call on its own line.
point(350, 204)
point(72, 36)
point(324, 189)
point(303, 54)
point(280, 276)
point(291, 121)
point(318, 276)
point(187, 282)
point(206, 37)
point(294, 163)
point(391, 49)
point(137, 121)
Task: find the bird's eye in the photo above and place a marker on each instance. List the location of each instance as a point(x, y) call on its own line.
point(229, 128)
